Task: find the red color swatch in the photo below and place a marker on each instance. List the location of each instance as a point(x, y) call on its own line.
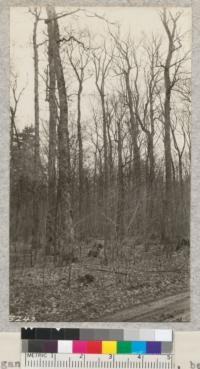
point(94, 347)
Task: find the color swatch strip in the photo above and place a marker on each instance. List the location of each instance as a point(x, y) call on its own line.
point(159, 335)
point(96, 347)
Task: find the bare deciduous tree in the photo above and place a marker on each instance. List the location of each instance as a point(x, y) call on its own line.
point(125, 65)
point(78, 55)
point(37, 163)
point(65, 228)
point(52, 192)
point(102, 61)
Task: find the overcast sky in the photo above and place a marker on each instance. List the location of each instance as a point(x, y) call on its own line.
point(138, 21)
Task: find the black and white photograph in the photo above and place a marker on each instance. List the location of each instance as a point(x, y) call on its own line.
point(100, 164)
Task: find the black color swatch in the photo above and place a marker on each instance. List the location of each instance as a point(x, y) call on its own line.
point(50, 334)
point(28, 333)
point(71, 334)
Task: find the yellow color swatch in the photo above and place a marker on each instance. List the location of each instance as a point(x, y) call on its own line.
point(109, 347)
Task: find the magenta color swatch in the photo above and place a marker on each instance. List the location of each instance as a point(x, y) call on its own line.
point(79, 347)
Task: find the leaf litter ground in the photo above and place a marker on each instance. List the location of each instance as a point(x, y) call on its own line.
point(43, 293)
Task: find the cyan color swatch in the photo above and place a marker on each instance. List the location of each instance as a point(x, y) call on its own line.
point(138, 347)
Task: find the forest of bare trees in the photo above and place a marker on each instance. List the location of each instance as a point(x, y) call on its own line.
point(100, 179)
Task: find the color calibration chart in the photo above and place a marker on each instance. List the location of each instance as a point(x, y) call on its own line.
point(96, 348)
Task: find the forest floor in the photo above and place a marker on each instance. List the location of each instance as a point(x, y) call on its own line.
point(43, 293)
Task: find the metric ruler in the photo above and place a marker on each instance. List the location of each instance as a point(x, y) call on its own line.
point(90, 361)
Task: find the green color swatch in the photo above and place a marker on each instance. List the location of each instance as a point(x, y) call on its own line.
point(124, 347)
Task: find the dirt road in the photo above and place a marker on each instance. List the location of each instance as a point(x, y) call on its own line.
point(172, 308)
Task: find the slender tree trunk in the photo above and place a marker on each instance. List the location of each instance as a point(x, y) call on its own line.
point(151, 145)
point(12, 133)
point(167, 148)
point(120, 177)
point(80, 151)
point(100, 180)
point(134, 131)
point(105, 145)
point(151, 177)
point(180, 165)
point(110, 150)
point(100, 75)
point(36, 202)
point(65, 229)
point(105, 164)
point(51, 211)
point(151, 181)
point(105, 153)
point(180, 168)
point(79, 70)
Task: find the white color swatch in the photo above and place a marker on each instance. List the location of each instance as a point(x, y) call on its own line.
point(163, 335)
point(65, 347)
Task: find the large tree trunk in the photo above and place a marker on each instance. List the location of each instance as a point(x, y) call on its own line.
point(36, 197)
point(65, 230)
point(168, 213)
point(51, 211)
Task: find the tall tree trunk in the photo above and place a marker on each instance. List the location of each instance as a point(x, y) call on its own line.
point(105, 144)
point(101, 72)
point(167, 137)
point(105, 155)
point(79, 70)
point(151, 145)
point(167, 147)
point(134, 131)
point(51, 211)
point(120, 177)
point(150, 176)
point(65, 229)
point(36, 202)
point(151, 179)
point(80, 151)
